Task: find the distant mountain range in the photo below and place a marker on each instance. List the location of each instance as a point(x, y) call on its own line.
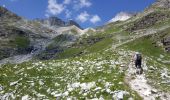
point(21, 36)
point(57, 22)
point(33, 32)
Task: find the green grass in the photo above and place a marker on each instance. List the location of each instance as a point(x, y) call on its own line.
point(60, 40)
point(111, 30)
point(21, 41)
point(69, 52)
point(85, 49)
point(105, 43)
point(64, 72)
point(146, 45)
point(155, 75)
point(73, 31)
point(82, 45)
point(153, 22)
point(95, 58)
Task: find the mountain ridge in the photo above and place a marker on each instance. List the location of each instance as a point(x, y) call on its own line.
point(57, 22)
point(32, 33)
point(6, 13)
point(162, 4)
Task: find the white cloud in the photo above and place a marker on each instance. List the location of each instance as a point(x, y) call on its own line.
point(78, 4)
point(95, 19)
point(54, 7)
point(83, 17)
point(66, 2)
point(68, 13)
point(85, 3)
point(68, 7)
point(4, 6)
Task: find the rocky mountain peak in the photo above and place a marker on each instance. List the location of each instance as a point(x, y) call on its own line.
point(6, 14)
point(72, 22)
point(52, 21)
point(57, 22)
point(162, 4)
point(2, 9)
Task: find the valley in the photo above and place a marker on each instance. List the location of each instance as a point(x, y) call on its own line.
point(52, 59)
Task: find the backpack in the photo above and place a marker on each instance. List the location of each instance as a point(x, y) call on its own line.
point(138, 57)
point(139, 70)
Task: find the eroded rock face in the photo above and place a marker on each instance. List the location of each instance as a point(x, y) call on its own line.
point(166, 43)
point(19, 36)
point(52, 21)
point(162, 4)
point(13, 41)
point(71, 22)
point(57, 22)
point(7, 15)
point(149, 20)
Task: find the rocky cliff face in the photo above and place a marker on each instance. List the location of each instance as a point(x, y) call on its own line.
point(21, 36)
point(57, 22)
point(149, 20)
point(166, 43)
point(162, 4)
point(6, 15)
point(72, 22)
point(155, 16)
point(13, 40)
point(52, 21)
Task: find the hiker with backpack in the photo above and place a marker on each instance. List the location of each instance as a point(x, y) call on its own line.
point(138, 62)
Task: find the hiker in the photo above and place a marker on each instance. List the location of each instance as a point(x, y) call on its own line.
point(138, 62)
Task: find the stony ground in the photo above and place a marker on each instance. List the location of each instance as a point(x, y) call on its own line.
point(139, 83)
point(89, 77)
point(98, 76)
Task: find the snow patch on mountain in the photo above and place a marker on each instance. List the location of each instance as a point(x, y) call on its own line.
point(122, 16)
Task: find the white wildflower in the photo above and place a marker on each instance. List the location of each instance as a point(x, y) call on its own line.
point(26, 97)
point(81, 68)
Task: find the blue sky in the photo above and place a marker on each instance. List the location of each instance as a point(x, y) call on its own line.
point(88, 13)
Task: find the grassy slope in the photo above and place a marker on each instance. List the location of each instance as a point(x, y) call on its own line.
point(49, 78)
point(107, 38)
point(147, 46)
point(71, 52)
point(22, 42)
point(34, 79)
point(86, 63)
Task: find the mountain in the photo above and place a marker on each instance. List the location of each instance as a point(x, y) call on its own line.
point(13, 40)
point(56, 22)
point(162, 4)
point(19, 36)
point(7, 15)
point(52, 21)
point(71, 63)
point(72, 22)
point(122, 16)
